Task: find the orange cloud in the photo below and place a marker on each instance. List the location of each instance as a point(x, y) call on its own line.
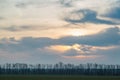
point(59, 48)
point(82, 56)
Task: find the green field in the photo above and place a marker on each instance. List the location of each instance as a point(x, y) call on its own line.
point(55, 77)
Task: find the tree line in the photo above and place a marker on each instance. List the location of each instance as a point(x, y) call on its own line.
point(59, 69)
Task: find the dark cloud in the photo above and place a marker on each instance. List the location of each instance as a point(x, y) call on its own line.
point(37, 42)
point(81, 50)
point(36, 47)
point(26, 4)
point(16, 28)
point(88, 16)
point(25, 44)
point(1, 18)
point(36, 50)
point(21, 5)
point(66, 3)
point(113, 13)
point(36, 4)
point(108, 37)
point(71, 52)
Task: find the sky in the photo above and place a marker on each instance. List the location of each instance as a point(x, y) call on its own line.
point(51, 31)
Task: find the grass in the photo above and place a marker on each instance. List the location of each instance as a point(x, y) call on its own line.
point(56, 77)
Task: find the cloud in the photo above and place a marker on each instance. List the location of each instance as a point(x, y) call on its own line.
point(86, 16)
point(36, 3)
point(44, 17)
point(59, 48)
point(21, 5)
point(66, 3)
point(108, 37)
point(80, 50)
point(37, 42)
point(84, 44)
point(111, 55)
point(113, 13)
point(43, 3)
point(69, 48)
point(1, 18)
point(15, 28)
point(71, 52)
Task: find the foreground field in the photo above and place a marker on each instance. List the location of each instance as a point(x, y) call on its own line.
point(54, 77)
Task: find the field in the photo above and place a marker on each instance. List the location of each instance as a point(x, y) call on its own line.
point(56, 77)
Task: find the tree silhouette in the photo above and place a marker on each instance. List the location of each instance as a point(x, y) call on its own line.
point(59, 69)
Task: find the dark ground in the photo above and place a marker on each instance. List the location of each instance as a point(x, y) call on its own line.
point(56, 77)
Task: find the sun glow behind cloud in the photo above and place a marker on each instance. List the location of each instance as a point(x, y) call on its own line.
point(77, 32)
